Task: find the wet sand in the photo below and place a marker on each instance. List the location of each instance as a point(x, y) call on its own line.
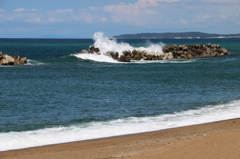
point(218, 140)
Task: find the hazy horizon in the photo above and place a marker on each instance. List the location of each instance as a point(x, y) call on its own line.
point(81, 19)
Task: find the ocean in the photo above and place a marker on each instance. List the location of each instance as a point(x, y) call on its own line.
point(60, 97)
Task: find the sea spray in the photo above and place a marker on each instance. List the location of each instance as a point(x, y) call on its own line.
point(111, 45)
point(107, 45)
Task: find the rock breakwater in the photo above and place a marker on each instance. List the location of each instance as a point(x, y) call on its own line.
point(169, 52)
point(12, 60)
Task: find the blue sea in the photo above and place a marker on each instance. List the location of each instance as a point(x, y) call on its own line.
point(60, 97)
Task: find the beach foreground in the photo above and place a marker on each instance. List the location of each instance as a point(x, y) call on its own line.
point(212, 140)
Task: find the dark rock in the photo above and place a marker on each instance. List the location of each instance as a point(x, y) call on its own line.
point(196, 46)
point(94, 49)
point(124, 58)
point(149, 57)
point(134, 52)
point(223, 50)
point(208, 50)
point(166, 49)
point(137, 57)
point(127, 53)
point(172, 47)
point(116, 55)
point(160, 58)
point(183, 47)
point(179, 53)
point(113, 55)
point(199, 51)
point(208, 44)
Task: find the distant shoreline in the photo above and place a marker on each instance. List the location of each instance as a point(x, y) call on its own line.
point(183, 35)
point(236, 37)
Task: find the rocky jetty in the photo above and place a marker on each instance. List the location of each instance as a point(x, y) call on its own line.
point(167, 53)
point(12, 60)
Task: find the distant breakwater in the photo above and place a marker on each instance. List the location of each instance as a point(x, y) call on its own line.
point(12, 60)
point(167, 53)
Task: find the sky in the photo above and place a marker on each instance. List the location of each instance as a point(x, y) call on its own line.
point(82, 18)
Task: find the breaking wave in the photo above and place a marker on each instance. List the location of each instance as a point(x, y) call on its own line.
point(111, 45)
point(123, 126)
point(105, 44)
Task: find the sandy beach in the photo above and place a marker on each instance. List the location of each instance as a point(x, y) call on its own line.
point(218, 140)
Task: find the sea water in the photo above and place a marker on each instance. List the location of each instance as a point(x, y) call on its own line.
point(60, 97)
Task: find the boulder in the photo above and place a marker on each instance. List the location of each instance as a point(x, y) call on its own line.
point(16, 60)
point(183, 56)
point(170, 56)
point(134, 52)
point(23, 61)
point(94, 49)
point(208, 44)
point(149, 57)
point(4, 62)
point(137, 57)
point(208, 50)
point(84, 52)
point(173, 47)
point(124, 58)
point(223, 50)
point(127, 53)
point(183, 47)
point(144, 52)
point(189, 56)
point(9, 60)
point(115, 55)
point(160, 58)
point(196, 46)
point(155, 55)
point(165, 49)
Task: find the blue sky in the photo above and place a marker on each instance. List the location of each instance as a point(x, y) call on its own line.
point(82, 18)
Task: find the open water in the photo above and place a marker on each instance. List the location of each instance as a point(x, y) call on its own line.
point(58, 97)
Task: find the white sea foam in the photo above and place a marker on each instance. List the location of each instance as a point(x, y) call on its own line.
point(111, 45)
point(96, 57)
point(34, 62)
point(166, 61)
point(131, 125)
point(105, 45)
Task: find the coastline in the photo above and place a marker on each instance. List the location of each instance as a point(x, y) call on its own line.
point(219, 139)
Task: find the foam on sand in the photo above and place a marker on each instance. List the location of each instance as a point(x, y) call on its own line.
point(130, 125)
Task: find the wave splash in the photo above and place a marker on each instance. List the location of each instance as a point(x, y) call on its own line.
point(111, 45)
point(123, 126)
point(105, 45)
